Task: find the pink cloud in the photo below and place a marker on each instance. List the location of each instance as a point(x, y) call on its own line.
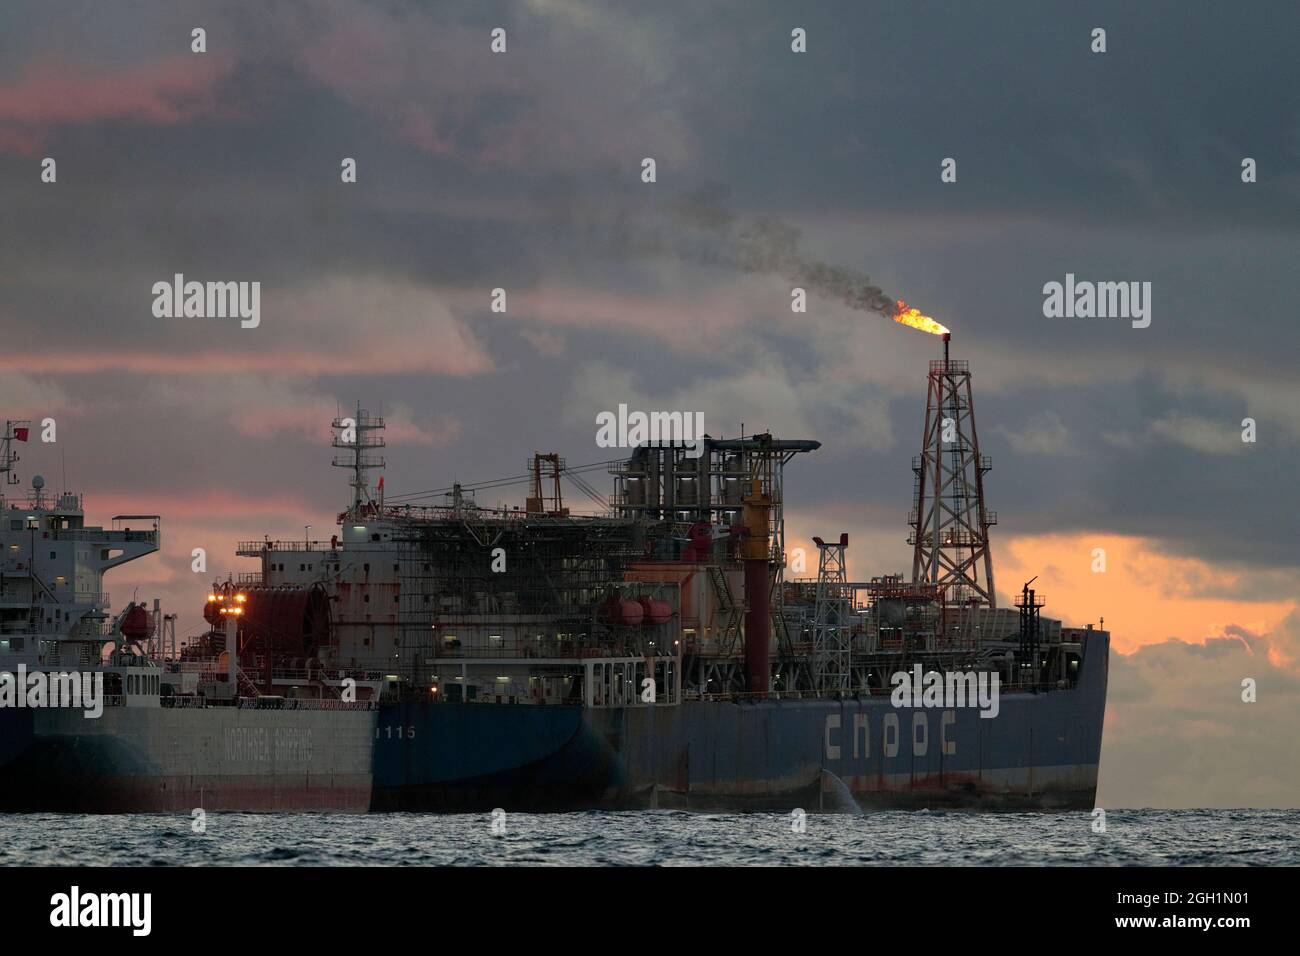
point(443, 432)
point(296, 361)
point(550, 344)
point(49, 93)
point(418, 77)
point(676, 318)
point(312, 420)
point(22, 142)
point(567, 96)
point(205, 507)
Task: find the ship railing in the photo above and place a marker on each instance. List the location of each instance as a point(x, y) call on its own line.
point(343, 674)
point(254, 548)
point(215, 667)
point(319, 673)
point(709, 648)
point(1036, 687)
point(299, 703)
point(104, 535)
point(184, 702)
point(327, 704)
point(713, 648)
point(1033, 687)
point(24, 628)
point(790, 695)
point(540, 650)
point(203, 666)
point(294, 675)
point(191, 702)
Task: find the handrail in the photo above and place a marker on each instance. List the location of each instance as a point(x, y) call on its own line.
point(264, 545)
point(186, 701)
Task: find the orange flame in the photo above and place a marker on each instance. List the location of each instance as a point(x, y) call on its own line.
point(912, 318)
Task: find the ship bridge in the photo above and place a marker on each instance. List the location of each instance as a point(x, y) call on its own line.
point(52, 565)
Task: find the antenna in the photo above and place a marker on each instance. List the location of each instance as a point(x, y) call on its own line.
point(357, 436)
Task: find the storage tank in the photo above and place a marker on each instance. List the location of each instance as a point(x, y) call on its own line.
point(655, 610)
point(286, 621)
point(621, 612)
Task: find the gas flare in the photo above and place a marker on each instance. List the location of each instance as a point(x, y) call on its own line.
point(912, 318)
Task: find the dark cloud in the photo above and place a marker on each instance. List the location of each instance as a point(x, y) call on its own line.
point(522, 172)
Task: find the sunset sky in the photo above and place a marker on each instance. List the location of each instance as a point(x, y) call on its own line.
point(522, 171)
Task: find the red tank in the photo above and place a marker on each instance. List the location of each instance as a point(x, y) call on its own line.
point(280, 622)
point(620, 612)
point(700, 543)
point(656, 611)
point(288, 621)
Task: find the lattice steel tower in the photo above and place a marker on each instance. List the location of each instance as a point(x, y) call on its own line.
point(950, 525)
point(832, 624)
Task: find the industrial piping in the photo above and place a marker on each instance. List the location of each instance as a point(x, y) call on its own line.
point(758, 586)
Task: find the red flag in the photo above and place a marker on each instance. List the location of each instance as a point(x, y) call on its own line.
point(20, 434)
point(381, 481)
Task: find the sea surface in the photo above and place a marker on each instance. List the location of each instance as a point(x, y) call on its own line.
point(657, 838)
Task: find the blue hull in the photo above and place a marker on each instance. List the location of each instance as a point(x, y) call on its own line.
point(1041, 752)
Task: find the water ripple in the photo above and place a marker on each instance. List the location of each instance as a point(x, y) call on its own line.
point(657, 838)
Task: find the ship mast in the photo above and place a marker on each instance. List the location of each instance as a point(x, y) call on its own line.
point(359, 436)
point(14, 431)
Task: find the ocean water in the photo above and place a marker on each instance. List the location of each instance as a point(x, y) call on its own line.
point(661, 838)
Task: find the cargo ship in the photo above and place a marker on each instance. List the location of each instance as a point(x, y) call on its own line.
point(96, 716)
point(664, 651)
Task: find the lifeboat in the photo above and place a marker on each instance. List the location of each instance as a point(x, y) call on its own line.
point(621, 612)
point(655, 610)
